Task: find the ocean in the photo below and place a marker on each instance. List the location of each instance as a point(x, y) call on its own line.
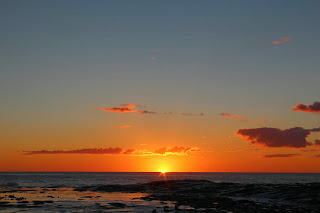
point(76, 179)
point(155, 192)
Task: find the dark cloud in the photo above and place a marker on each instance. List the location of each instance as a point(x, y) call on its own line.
point(243, 150)
point(280, 155)
point(192, 114)
point(118, 109)
point(273, 137)
point(116, 150)
point(316, 156)
point(317, 142)
point(314, 108)
point(147, 112)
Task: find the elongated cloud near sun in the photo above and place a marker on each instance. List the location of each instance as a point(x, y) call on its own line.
point(284, 39)
point(117, 151)
point(313, 108)
point(273, 137)
point(174, 150)
point(281, 155)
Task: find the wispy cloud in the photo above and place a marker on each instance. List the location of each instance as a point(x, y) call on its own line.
point(281, 155)
point(192, 114)
point(314, 108)
point(235, 117)
point(243, 150)
point(100, 151)
point(125, 108)
point(146, 112)
point(273, 137)
point(282, 40)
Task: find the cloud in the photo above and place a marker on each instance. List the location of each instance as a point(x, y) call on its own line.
point(316, 156)
point(284, 39)
point(175, 150)
point(118, 151)
point(161, 151)
point(100, 151)
point(226, 115)
point(192, 114)
point(317, 142)
point(147, 112)
point(128, 151)
point(125, 108)
point(314, 108)
point(243, 150)
point(235, 117)
point(280, 155)
point(122, 127)
point(117, 109)
point(273, 137)
point(129, 105)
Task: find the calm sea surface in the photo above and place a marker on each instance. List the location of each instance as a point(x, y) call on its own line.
point(75, 179)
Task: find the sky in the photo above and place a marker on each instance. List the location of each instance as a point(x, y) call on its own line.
point(146, 86)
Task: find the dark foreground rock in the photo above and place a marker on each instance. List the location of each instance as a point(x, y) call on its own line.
point(207, 196)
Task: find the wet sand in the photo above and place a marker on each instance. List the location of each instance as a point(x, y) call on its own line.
point(165, 196)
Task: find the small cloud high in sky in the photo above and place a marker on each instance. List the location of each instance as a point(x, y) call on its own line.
point(313, 108)
point(234, 117)
point(282, 40)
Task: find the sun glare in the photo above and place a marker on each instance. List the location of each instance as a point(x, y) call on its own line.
point(163, 172)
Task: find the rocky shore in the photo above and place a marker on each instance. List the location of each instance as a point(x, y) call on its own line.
point(206, 196)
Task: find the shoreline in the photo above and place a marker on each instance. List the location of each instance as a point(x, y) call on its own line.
point(167, 196)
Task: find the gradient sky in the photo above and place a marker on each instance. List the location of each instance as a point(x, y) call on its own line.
point(68, 67)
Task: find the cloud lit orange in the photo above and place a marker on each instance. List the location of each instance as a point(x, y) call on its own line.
point(313, 108)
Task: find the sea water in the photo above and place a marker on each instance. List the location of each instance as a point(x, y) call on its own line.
point(77, 179)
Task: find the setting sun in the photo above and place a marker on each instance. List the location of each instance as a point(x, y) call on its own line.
point(163, 172)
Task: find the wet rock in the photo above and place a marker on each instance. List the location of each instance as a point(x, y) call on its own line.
point(3, 203)
point(118, 205)
point(38, 202)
